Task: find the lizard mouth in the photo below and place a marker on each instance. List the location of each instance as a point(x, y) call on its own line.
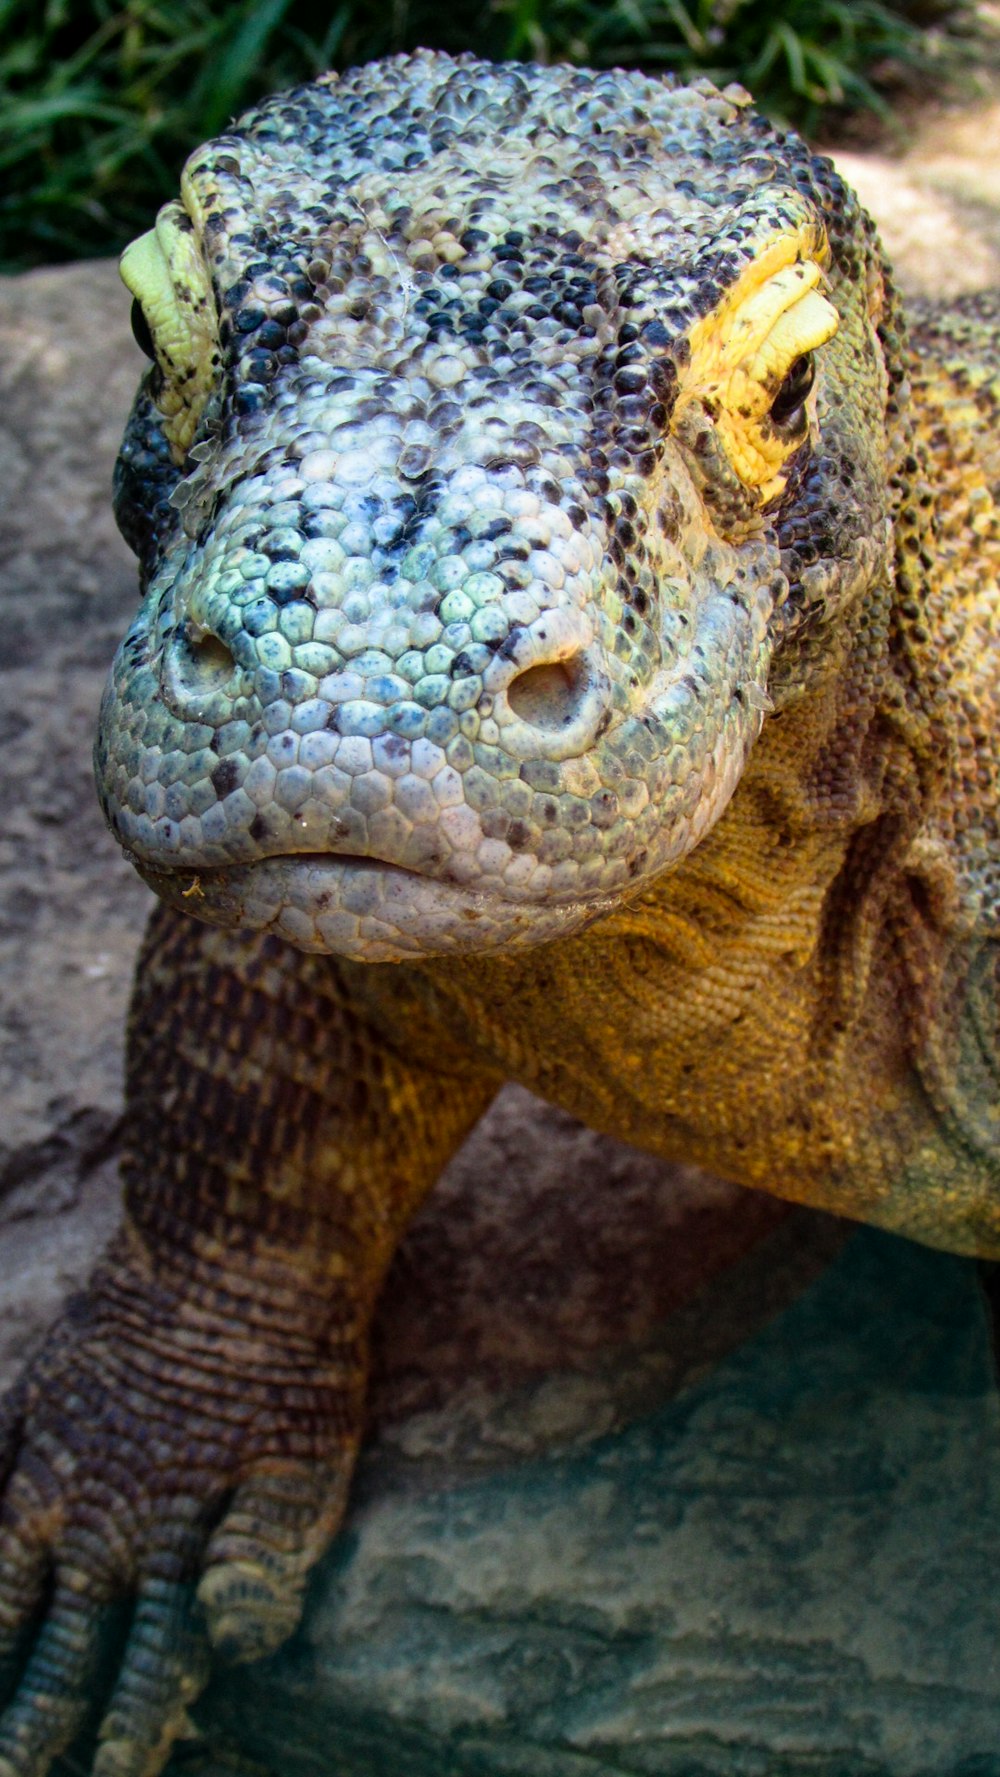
point(365, 908)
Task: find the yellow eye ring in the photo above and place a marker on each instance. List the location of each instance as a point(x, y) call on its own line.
point(751, 365)
point(176, 323)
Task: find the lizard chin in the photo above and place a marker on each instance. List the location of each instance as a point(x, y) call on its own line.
point(366, 909)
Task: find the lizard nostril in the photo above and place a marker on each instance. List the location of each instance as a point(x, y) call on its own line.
point(549, 696)
point(208, 663)
point(197, 665)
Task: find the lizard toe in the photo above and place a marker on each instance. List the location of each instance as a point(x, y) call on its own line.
point(53, 1695)
point(31, 1521)
point(259, 1558)
point(24, 1570)
point(164, 1668)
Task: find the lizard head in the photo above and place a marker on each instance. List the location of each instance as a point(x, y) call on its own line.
point(509, 436)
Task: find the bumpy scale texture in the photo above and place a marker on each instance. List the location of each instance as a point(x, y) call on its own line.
point(568, 652)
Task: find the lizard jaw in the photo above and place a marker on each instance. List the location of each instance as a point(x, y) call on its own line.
point(366, 909)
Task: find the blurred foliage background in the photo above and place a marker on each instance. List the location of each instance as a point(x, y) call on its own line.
point(101, 100)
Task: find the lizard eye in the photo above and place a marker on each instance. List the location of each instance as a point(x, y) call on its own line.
point(140, 330)
point(786, 408)
point(751, 361)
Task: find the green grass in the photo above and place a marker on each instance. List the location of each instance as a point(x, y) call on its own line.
point(100, 101)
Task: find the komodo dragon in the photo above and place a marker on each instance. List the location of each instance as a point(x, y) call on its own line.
point(568, 653)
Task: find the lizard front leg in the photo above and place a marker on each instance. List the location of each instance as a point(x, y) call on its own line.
point(188, 1432)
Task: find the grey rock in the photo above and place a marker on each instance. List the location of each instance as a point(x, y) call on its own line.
point(784, 1568)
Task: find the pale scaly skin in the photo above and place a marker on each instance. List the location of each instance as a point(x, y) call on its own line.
point(589, 702)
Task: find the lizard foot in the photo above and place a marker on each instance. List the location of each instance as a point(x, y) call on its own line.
point(138, 1465)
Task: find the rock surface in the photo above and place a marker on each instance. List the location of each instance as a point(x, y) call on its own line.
point(697, 1487)
point(781, 1570)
